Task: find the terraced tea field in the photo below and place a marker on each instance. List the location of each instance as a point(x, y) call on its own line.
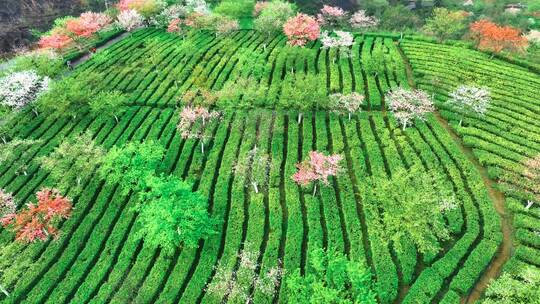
point(97, 259)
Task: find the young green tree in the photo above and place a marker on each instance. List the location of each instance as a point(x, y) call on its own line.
point(412, 202)
point(171, 214)
point(109, 103)
point(132, 165)
point(522, 286)
point(331, 278)
point(11, 152)
point(67, 97)
point(73, 159)
point(445, 24)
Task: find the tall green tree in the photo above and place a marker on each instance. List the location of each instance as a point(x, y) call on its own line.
point(445, 24)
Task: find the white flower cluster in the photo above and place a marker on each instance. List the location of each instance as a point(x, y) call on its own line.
point(167, 15)
point(21, 88)
point(129, 20)
point(361, 20)
point(339, 39)
point(197, 6)
point(471, 98)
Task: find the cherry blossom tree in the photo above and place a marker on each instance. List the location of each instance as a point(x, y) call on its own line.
point(37, 222)
point(317, 168)
point(22, 88)
point(253, 168)
point(346, 103)
point(57, 41)
point(408, 105)
point(193, 122)
point(226, 27)
point(301, 29)
point(7, 204)
point(175, 26)
point(87, 24)
point(259, 7)
point(337, 39)
point(237, 284)
point(130, 20)
point(331, 16)
point(360, 20)
point(470, 99)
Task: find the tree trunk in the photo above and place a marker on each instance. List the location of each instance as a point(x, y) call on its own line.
point(255, 187)
point(4, 291)
point(460, 122)
point(202, 147)
point(4, 139)
point(529, 204)
point(299, 118)
point(314, 189)
point(116, 118)
point(349, 116)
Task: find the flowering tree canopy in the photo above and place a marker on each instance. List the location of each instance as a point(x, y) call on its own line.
point(346, 103)
point(175, 26)
point(259, 7)
point(130, 20)
point(21, 88)
point(492, 37)
point(337, 39)
point(146, 8)
point(87, 24)
point(7, 204)
point(56, 41)
point(470, 99)
point(38, 221)
point(301, 29)
point(360, 20)
point(408, 105)
point(237, 284)
point(317, 168)
point(253, 167)
point(331, 16)
point(227, 26)
point(532, 175)
point(193, 121)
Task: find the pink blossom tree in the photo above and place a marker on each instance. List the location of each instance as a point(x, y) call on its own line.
point(193, 122)
point(259, 7)
point(38, 221)
point(87, 24)
point(317, 168)
point(226, 27)
point(360, 20)
point(301, 29)
point(175, 26)
point(346, 103)
point(408, 105)
point(331, 16)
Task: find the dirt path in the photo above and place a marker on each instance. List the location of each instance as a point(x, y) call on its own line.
point(88, 55)
point(506, 248)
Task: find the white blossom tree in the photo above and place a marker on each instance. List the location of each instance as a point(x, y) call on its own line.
point(236, 285)
point(7, 204)
point(337, 39)
point(21, 88)
point(193, 122)
point(346, 103)
point(470, 99)
point(408, 105)
point(360, 20)
point(129, 20)
point(253, 168)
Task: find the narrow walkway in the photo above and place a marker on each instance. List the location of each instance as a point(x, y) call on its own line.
point(505, 249)
point(88, 55)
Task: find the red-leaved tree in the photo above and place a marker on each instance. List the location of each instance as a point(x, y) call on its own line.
point(56, 41)
point(495, 38)
point(317, 168)
point(38, 221)
point(300, 29)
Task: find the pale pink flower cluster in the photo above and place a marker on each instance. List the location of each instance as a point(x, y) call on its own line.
point(88, 24)
point(533, 36)
point(21, 88)
point(226, 27)
point(130, 20)
point(7, 204)
point(408, 105)
point(336, 39)
point(361, 20)
point(300, 29)
point(259, 7)
point(175, 26)
point(331, 15)
point(317, 167)
point(190, 116)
